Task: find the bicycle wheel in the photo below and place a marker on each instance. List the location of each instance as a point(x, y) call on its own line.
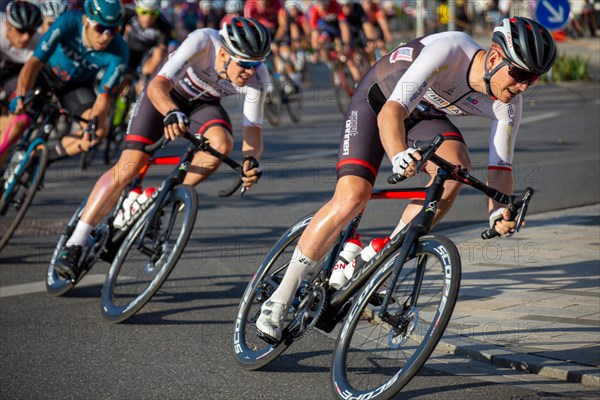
point(87, 157)
point(55, 284)
point(293, 101)
point(142, 264)
point(250, 351)
point(273, 101)
point(343, 87)
point(21, 188)
point(376, 359)
point(113, 144)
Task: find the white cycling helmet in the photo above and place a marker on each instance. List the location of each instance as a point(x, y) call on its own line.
point(148, 4)
point(53, 9)
point(234, 6)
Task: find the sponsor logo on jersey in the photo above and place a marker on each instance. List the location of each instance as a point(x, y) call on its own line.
point(402, 54)
point(350, 130)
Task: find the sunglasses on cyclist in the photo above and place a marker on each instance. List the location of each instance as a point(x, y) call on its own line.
point(103, 29)
point(151, 13)
point(23, 31)
point(245, 64)
point(520, 75)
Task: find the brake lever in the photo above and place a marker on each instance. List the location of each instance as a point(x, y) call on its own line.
point(523, 210)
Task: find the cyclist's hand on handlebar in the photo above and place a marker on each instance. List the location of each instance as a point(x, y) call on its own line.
point(16, 105)
point(252, 171)
point(405, 162)
point(502, 221)
point(176, 124)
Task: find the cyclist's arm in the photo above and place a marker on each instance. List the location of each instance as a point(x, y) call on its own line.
point(101, 110)
point(253, 143)
point(502, 143)
point(158, 55)
point(390, 122)
point(28, 75)
point(158, 93)
point(385, 27)
point(282, 25)
point(345, 32)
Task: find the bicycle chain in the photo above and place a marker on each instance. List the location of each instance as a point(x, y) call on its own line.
point(310, 309)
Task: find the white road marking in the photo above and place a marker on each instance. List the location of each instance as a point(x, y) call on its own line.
point(37, 287)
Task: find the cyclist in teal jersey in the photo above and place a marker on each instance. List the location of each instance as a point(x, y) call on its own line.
point(67, 60)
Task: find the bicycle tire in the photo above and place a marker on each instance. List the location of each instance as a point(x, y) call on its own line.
point(113, 144)
point(87, 157)
point(55, 284)
point(133, 279)
point(273, 101)
point(343, 87)
point(293, 103)
point(251, 352)
point(389, 360)
point(22, 191)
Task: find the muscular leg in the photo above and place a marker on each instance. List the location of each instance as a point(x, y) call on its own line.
point(203, 164)
point(457, 153)
point(109, 187)
point(13, 129)
point(351, 195)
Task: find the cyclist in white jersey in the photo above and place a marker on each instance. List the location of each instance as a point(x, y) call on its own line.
point(406, 96)
point(185, 96)
point(18, 39)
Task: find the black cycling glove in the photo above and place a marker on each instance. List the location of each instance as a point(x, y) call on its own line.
point(176, 117)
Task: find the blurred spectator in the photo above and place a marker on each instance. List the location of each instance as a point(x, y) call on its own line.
point(463, 20)
point(588, 19)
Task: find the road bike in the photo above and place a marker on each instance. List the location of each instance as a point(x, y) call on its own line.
point(143, 254)
point(111, 145)
point(393, 310)
point(344, 83)
point(28, 160)
point(283, 91)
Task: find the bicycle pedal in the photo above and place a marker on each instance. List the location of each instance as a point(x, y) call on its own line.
point(266, 338)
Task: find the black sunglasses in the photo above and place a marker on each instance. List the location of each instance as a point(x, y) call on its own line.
point(520, 75)
point(23, 31)
point(103, 29)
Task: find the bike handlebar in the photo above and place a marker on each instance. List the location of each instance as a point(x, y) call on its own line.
point(517, 205)
point(427, 149)
point(202, 144)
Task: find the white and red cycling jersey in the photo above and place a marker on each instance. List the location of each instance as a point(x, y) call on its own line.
point(429, 77)
point(191, 70)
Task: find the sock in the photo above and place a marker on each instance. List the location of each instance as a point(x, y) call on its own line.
point(398, 228)
point(299, 267)
point(80, 235)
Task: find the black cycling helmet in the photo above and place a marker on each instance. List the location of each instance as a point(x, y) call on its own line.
point(526, 44)
point(104, 12)
point(246, 38)
point(24, 15)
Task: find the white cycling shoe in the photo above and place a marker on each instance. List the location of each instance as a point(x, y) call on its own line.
point(272, 314)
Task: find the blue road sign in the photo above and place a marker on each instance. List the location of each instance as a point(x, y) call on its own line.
point(553, 14)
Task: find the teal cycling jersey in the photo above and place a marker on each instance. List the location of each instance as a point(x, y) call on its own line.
point(63, 50)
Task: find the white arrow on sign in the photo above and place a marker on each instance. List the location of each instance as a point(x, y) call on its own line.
point(557, 15)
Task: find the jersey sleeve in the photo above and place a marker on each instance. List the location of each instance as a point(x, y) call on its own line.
point(431, 65)
point(62, 26)
point(504, 133)
point(115, 68)
point(194, 43)
point(254, 100)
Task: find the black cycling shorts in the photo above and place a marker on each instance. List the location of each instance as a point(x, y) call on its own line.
point(361, 152)
point(146, 123)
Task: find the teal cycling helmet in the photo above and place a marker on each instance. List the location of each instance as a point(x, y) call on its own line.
point(104, 12)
